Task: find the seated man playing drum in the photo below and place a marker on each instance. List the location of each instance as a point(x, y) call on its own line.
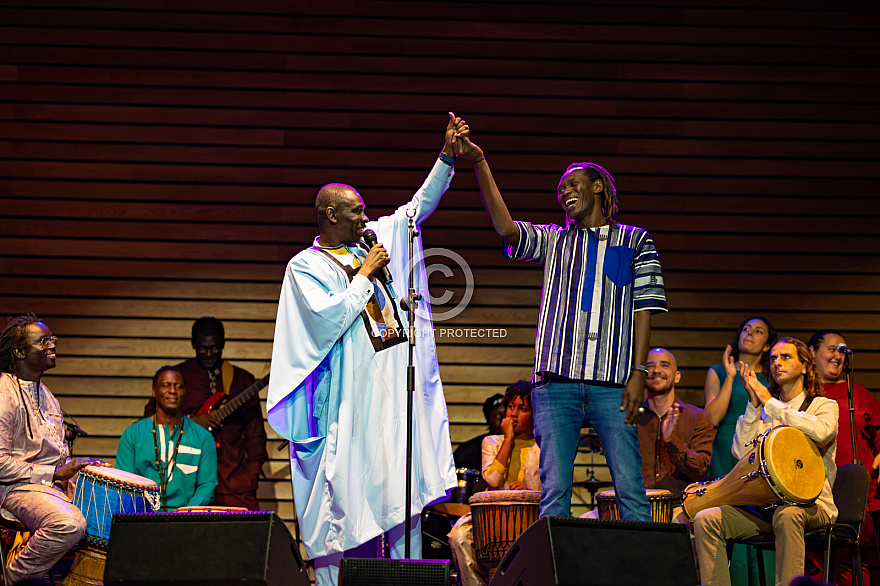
point(169, 448)
point(35, 462)
point(510, 462)
point(794, 399)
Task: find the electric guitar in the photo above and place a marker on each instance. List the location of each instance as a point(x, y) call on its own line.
point(226, 409)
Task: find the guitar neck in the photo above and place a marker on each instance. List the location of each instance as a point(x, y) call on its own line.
point(240, 399)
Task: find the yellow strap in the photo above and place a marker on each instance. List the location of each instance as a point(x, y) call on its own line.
point(226, 373)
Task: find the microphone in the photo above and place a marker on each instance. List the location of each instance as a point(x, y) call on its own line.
point(843, 349)
point(371, 240)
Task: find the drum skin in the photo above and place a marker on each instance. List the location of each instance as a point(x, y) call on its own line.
point(785, 465)
point(659, 499)
point(499, 517)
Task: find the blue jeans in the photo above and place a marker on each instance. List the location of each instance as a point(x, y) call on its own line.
point(561, 409)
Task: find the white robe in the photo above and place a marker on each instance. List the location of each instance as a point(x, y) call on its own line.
point(342, 404)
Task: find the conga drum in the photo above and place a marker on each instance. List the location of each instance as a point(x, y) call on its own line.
point(659, 499)
point(100, 494)
point(499, 517)
point(784, 466)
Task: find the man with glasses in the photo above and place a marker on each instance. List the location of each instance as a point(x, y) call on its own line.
point(35, 462)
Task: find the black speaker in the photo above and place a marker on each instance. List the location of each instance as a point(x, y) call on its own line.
point(562, 551)
point(365, 572)
point(216, 549)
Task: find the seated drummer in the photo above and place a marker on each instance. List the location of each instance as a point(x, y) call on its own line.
point(794, 399)
point(35, 462)
point(170, 449)
point(510, 462)
point(675, 439)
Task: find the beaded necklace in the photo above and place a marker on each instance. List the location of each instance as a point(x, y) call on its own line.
point(167, 469)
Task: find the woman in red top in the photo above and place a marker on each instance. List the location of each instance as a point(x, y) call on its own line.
point(829, 363)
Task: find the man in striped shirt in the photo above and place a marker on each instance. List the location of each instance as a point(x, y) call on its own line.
point(602, 282)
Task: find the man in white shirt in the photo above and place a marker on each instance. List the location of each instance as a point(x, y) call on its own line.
point(794, 399)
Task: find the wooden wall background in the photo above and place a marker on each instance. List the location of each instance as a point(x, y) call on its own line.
point(160, 162)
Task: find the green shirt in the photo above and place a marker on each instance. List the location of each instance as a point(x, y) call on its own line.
point(194, 475)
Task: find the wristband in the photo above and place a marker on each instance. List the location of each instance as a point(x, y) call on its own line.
point(447, 159)
point(640, 368)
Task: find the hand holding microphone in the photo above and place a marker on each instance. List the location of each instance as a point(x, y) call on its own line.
point(376, 259)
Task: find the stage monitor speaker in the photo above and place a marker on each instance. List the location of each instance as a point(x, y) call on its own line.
point(367, 572)
point(211, 549)
point(561, 551)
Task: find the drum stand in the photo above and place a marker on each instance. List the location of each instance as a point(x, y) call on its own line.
point(590, 442)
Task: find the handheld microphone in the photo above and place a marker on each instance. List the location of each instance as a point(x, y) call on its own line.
point(371, 240)
point(843, 349)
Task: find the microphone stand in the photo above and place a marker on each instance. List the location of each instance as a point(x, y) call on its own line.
point(409, 304)
point(848, 369)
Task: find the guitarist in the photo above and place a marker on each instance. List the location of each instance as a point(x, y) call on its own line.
point(241, 437)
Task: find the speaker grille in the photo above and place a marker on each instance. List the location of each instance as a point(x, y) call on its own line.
point(367, 572)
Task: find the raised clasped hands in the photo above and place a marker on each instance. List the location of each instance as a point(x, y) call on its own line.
point(758, 393)
point(458, 139)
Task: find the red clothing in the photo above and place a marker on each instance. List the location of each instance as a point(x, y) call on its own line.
point(241, 440)
point(867, 411)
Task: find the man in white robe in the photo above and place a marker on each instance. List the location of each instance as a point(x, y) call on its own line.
point(337, 388)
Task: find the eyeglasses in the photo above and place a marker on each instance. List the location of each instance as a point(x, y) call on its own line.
point(46, 342)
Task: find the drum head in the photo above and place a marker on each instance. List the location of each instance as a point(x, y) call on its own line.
point(794, 464)
point(120, 476)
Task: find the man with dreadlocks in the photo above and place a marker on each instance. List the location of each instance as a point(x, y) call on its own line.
point(794, 399)
point(35, 462)
point(602, 282)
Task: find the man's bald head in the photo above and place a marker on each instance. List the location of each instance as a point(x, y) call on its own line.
point(333, 195)
point(660, 353)
point(342, 218)
point(662, 372)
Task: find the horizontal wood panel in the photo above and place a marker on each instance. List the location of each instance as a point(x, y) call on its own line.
point(546, 24)
point(787, 152)
point(607, 115)
point(297, 212)
point(610, 75)
point(654, 48)
point(543, 182)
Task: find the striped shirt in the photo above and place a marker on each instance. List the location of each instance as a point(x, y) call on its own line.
point(595, 279)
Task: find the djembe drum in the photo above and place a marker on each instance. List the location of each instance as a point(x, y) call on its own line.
point(101, 493)
point(499, 517)
point(784, 466)
point(659, 499)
